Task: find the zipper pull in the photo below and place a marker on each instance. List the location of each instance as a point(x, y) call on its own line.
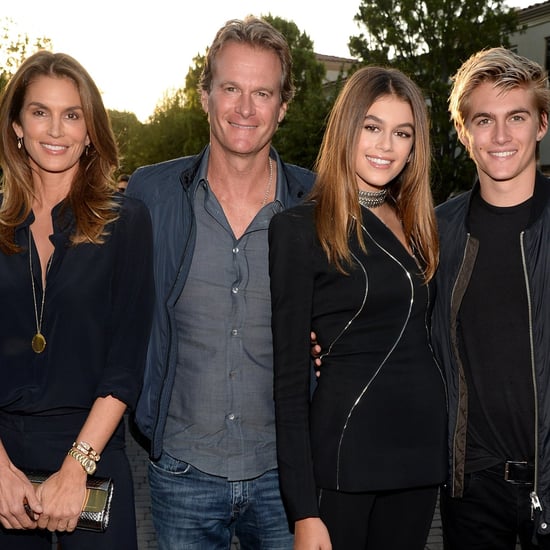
point(535, 504)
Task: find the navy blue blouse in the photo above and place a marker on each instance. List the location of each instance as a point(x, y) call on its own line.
point(96, 320)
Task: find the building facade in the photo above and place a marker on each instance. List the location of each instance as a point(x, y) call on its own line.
point(534, 43)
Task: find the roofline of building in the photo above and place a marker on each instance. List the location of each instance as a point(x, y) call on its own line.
point(334, 58)
point(534, 10)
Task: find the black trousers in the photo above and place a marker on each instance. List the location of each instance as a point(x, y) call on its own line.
point(491, 515)
point(41, 443)
point(386, 520)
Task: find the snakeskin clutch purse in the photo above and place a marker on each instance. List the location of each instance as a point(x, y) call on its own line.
point(97, 506)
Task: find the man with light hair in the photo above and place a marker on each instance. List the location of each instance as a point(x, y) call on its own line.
point(207, 400)
point(491, 320)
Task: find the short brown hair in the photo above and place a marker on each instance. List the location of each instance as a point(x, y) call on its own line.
point(257, 33)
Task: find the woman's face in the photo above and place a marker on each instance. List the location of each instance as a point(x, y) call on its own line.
point(385, 142)
point(52, 126)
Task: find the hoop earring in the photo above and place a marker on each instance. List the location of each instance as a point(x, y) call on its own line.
point(19, 142)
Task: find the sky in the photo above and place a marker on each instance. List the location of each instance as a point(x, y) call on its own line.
point(137, 51)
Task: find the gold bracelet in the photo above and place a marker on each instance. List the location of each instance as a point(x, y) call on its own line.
point(87, 449)
point(88, 464)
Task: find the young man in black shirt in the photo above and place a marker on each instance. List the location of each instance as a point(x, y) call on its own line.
point(491, 321)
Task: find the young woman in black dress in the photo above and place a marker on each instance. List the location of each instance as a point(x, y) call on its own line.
point(361, 460)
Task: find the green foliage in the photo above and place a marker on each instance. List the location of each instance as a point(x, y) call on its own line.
point(15, 48)
point(192, 95)
point(429, 40)
point(195, 130)
point(299, 136)
point(180, 127)
point(129, 134)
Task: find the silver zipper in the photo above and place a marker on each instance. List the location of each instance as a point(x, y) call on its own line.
point(535, 502)
point(377, 372)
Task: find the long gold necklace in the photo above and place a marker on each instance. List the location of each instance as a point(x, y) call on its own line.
point(38, 340)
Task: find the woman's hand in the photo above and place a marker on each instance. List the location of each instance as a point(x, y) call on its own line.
point(19, 506)
point(63, 495)
point(311, 534)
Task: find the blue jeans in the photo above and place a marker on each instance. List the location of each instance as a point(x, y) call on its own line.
point(197, 511)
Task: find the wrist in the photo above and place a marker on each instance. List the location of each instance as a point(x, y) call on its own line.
point(85, 455)
point(87, 450)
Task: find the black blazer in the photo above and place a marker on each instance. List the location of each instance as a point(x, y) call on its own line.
point(377, 418)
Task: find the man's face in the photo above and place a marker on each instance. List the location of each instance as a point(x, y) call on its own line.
point(244, 104)
point(501, 134)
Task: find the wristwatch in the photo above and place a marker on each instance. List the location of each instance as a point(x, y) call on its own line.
point(86, 462)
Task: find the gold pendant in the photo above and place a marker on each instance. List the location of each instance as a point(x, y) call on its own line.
point(38, 343)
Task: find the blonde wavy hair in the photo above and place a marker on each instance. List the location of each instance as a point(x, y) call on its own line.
point(506, 70)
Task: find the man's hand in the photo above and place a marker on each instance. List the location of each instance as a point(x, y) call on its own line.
point(316, 353)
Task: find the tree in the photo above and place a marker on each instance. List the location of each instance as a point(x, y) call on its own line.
point(15, 48)
point(179, 125)
point(429, 40)
point(196, 130)
point(299, 136)
point(129, 133)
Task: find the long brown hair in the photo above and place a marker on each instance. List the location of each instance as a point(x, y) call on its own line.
point(91, 196)
point(335, 191)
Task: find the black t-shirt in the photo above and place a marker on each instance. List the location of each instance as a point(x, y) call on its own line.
point(494, 329)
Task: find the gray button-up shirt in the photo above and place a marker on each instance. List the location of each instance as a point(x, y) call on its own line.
point(221, 417)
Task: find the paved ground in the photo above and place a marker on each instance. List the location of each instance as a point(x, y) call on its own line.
point(146, 534)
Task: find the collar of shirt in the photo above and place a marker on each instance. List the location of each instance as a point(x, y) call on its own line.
point(281, 188)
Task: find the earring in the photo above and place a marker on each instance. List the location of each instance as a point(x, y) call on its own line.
point(86, 150)
point(19, 142)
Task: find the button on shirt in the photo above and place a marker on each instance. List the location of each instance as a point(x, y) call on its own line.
point(221, 417)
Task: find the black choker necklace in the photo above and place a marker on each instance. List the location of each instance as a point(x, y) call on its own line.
point(372, 199)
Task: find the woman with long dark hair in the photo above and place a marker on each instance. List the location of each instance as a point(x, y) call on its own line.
point(76, 290)
point(360, 462)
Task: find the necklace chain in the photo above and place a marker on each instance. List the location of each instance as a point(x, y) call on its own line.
point(38, 341)
point(372, 199)
point(269, 182)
